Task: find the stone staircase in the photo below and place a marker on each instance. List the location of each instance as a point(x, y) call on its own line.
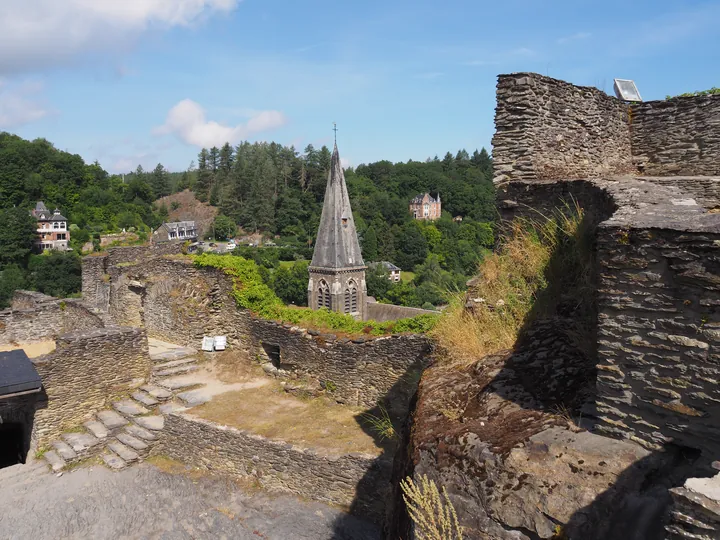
point(126, 433)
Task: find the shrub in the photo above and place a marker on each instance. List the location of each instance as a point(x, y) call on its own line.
point(381, 424)
point(434, 515)
point(251, 293)
point(537, 262)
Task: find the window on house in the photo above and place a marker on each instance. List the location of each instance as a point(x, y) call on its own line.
point(171, 234)
point(61, 236)
point(426, 210)
point(56, 225)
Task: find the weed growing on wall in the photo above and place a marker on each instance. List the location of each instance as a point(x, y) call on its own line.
point(432, 512)
point(251, 293)
point(538, 262)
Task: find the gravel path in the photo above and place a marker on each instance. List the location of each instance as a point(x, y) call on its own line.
point(144, 502)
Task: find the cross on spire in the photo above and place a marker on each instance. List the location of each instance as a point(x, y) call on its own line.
point(335, 130)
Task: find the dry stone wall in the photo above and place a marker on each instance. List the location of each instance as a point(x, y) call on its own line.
point(85, 372)
point(36, 317)
point(548, 129)
point(389, 312)
point(659, 336)
point(175, 301)
point(361, 371)
point(281, 466)
point(677, 136)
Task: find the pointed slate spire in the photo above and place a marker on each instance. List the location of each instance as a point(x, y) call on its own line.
point(337, 243)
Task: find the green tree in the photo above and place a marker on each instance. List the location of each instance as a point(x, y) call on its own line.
point(17, 235)
point(160, 182)
point(370, 245)
point(411, 247)
point(224, 227)
point(56, 273)
point(290, 284)
point(12, 278)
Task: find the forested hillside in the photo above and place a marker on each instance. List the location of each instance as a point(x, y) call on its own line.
point(264, 188)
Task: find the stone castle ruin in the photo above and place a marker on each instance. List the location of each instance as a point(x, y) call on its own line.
point(640, 465)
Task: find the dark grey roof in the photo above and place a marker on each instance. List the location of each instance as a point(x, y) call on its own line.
point(337, 243)
point(17, 373)
point(419, 199)
point(57, 216)
point(387, 265)
point(180, 224)
point(40, 207)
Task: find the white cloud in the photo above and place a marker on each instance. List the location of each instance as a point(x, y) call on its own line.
point(187, 121)
point(575, 37)
point(19, 104)
point(38, 33)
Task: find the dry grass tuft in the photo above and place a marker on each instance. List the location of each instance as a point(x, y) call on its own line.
point(433, 515)
point(547, 256)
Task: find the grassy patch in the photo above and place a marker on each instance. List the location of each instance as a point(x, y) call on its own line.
point(310, 423)
point(380, 424)
point(539, 262)
point(407, 277)
point(250, 292)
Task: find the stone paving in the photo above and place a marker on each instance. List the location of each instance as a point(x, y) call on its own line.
point(144, 502)
point(126, 432)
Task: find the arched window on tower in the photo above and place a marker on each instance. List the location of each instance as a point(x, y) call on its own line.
point(351, 297)
point(323, 294)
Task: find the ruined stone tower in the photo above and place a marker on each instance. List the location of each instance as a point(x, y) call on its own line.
point(337, 270)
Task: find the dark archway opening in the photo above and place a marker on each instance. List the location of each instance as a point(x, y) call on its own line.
point(12, 444)
point(273, 353)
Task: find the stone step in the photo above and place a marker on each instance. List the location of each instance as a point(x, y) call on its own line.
point(176, 370)
point(154, 423)
point(96, 428)
point(173, 354)
point(144, 398)
point(129, 407)
point(194, 397)
point(80, 442)
point(174, 363)
point(157, 392)
point(170, 407)
point(132, 442)
point(177, 383)
point(140, 433)
point(64, 450)
point(114, 461)
point(111, 419)
point(127, 454)
point(54, 460)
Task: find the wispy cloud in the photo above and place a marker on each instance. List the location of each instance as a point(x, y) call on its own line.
point(21, 103)
point(187, 121)
point(575, 37)
point(41, 33)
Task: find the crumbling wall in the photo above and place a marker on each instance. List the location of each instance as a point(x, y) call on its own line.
point(85, 372)
point(44, 318)
point(95, 281)
point(549, 129)
point(361, 371)
point(389, 312)
point(281, 466)
point(175, 301)
point(659, 334)
point(677, 136)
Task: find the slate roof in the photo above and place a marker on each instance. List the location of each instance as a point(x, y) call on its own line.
point(40, 207)
point(180, 225)
point(337, 243)
point(57, 216)
point(419, 199)
point(17, 373)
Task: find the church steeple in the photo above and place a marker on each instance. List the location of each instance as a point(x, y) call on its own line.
point(337, 243)
point(337, 269)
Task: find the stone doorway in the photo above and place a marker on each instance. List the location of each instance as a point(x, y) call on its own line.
point(273, 353)
point(12, 444)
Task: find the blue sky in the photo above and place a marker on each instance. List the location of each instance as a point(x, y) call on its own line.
point(148, 81)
